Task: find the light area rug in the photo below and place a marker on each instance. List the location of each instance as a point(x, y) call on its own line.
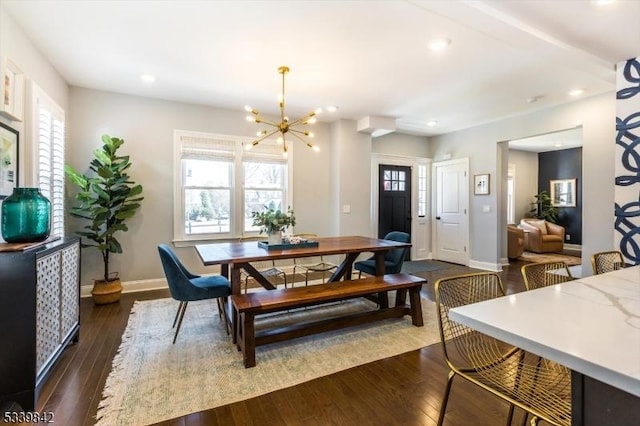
point(152, 380)
point(550, 257)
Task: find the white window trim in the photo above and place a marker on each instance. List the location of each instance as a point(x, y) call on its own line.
point(180, 239)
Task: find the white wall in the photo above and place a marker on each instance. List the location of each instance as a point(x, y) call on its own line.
point(480, 144)
point(323, 183)
point(351, 172)
point(401, 144)
point(147, 127)
point(526, 181)
point(16, 46)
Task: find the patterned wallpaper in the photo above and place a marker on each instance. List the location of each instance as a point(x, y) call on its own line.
point(627, 171)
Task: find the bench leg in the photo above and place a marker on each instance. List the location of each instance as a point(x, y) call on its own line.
point(248, 339)
point(235, 325)
point(416, 306)
point(383, 300)
point(401, 297)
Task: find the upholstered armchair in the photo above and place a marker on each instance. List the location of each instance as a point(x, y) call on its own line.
point(542, 236)
point(515, 241)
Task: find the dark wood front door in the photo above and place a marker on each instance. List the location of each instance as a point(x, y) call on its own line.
point(394, 204)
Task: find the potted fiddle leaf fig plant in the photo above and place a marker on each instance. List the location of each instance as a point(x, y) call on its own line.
point(106, 198)
point(542, 208)
point(272, 222)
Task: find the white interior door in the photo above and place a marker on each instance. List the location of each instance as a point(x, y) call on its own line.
point(451, 224)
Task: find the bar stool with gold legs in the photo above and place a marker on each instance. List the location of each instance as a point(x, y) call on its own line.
point(537, 386)
point(606, 261)
point(266, 269)
point(538, 275)
point(544, 274)
point(312, 264)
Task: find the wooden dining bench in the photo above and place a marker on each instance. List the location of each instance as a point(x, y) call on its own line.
point(247, 306)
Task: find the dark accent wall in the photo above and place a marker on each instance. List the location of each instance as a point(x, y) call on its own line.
point(564, 164)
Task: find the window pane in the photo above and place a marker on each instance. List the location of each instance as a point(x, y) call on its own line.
point(422, 190)
point(263, 175)
point(207, 173)
point(401, 176)
point(401, 186)
point(221, 184)
point(256, 200)
point(207, 211)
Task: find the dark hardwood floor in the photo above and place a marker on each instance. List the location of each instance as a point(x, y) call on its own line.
point(405, 389)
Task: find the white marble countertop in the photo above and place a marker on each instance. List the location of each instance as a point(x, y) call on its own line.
point(591, 325)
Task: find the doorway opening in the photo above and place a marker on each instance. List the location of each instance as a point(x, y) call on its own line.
point(534, 165)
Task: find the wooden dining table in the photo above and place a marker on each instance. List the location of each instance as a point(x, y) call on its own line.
point(234, 256)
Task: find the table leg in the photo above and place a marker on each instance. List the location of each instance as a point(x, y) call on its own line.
point(236, 285)
point(257, 276)
point(379, 256)
point(224, 270)
point(344, 269)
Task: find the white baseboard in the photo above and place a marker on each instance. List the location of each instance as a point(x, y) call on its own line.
point(573, 246)
point(131, 286)
point(493, 267)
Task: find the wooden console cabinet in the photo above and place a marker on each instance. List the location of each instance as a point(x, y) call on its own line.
point(39, 315)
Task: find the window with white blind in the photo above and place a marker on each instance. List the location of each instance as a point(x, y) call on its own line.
point(219, 184)
point(49, 155)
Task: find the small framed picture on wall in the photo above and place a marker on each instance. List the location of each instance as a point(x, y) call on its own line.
point(481, 184)
point(8, 160)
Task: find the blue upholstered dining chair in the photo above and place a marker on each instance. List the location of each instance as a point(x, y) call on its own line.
point(393, 259)
point(186, 287)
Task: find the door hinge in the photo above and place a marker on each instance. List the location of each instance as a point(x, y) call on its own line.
point(465, 211)
point(465, 249)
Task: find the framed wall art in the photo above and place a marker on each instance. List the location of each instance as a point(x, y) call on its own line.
point(12, 89)
point(8, 160)
point(563, 192)
point(481, 184)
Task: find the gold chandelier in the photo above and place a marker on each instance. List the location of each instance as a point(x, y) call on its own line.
point(285, 126)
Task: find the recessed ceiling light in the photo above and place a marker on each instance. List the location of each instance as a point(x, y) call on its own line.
point(332, 108)
point(439, 44)
point(148, 78)
point(558, 145)
point(576, 92)
point(601, 2)
point(432, 123)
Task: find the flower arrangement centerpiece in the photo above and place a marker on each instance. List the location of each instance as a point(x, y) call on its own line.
point(272, 222)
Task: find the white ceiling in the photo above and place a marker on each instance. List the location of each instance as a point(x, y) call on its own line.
point(566, 139)
point(368, 57)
